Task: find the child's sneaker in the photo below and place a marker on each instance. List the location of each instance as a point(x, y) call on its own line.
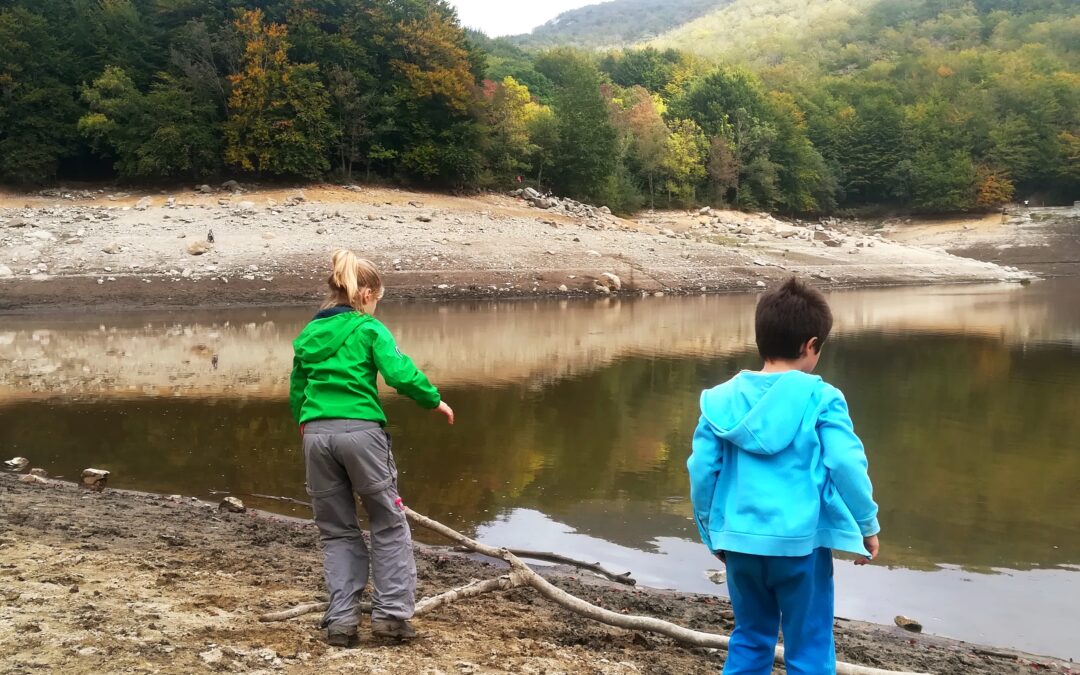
point(396, 629)
point(342, 636)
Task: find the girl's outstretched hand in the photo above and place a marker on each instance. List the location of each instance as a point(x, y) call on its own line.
point(446, 410)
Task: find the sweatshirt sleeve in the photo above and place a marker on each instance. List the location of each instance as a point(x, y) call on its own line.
point(297, 386)
point(845, 460)
point(704, 466)
point(399, 371)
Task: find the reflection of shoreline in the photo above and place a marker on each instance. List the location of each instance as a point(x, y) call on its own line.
point(247, 353)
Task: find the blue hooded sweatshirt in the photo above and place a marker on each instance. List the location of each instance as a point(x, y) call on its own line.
point(777, 469)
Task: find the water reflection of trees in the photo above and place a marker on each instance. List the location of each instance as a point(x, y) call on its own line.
point(973, 446)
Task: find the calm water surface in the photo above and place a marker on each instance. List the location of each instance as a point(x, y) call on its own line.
point(574, 422)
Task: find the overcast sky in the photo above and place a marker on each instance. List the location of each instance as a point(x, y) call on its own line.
point(510, 17)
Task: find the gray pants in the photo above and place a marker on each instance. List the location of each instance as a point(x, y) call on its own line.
point(344, 457)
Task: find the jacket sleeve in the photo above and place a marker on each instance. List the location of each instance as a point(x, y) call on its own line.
point(845, 460)
point(297, 385)
point(399, 371)
point(705, 463)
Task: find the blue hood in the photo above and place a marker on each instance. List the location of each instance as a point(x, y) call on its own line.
point(777, 469)
point(760, 412)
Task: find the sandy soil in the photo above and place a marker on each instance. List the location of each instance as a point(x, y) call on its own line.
point(122, 582)
point(1045, 241)
point(271, 246)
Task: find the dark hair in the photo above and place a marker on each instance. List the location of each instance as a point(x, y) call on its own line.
point(789, 315)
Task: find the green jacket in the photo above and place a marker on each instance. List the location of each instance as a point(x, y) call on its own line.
point(336, 359)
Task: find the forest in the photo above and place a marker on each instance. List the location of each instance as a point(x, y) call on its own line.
point(922, 105)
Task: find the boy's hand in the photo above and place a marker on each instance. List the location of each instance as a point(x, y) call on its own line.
point(872, 545)
point(446, 410)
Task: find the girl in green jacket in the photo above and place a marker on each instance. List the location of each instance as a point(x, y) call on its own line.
point(347, 452)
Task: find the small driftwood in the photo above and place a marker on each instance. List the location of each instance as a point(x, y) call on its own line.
point(596, 567)
point(521, 575)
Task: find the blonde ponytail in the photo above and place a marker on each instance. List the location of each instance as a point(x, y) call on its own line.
point(350, 276)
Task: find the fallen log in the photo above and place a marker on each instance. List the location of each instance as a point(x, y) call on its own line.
point(546, 556)
point(522, 575)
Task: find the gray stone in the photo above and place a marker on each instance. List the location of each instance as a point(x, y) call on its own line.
point(95, 478)
point(143, 204)
point(232, 505)
point(16, 463)
point(5, 271)
point(231, 186)
point(204, 189)
point(612, 281)
point(112, 249)
point(198, 248)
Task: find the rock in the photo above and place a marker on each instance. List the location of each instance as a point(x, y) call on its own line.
point(907, 623)
point(212, 656)
point(198, 248)
point(424, 219)
point(95, 478)
point(31, 478)
point(705, 211)
point(43, 235)
point(612, 281)
point(232, 505)
point(143, 204)
point(231, 186)
point(594, 254)
point(16, 464)
point(246, 206)
point(5, 271)
point(18, 222)
point(563, 288)
point(760, 284)
point(268, 235)
point(39, 472)
point(605, 210)
point(112, 249)
point(186, 273)
point(718, 577)
point(170, 202)
point(531, 194)
point(320, 230)
point(667, 233)
point(204, 189)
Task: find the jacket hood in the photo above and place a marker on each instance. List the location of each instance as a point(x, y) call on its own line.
point(760, 412)
point(321, 338)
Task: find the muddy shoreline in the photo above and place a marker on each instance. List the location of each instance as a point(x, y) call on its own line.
point(131, 582)
point(271, 247)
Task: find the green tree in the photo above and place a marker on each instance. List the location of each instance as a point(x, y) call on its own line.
point(684, 161)
point(37, 103)
point(587, 140)
point(166, 132)
point(279, 119)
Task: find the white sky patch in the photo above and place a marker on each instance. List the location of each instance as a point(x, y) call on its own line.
point(511, 17)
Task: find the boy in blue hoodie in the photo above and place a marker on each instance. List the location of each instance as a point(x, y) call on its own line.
point(778, 478)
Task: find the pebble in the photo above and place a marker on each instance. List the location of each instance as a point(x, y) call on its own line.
point(232, 505)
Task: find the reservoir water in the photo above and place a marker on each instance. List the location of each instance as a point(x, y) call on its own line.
point(574, 420)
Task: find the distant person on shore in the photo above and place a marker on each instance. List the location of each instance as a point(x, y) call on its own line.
point(778, 478)
point(347, 453)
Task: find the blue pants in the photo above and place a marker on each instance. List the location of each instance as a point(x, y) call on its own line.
point(770, 591)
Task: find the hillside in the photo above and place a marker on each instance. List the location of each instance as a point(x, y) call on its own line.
point(617, 23)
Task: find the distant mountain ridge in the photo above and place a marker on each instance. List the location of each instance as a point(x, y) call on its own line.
point(617, 23)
